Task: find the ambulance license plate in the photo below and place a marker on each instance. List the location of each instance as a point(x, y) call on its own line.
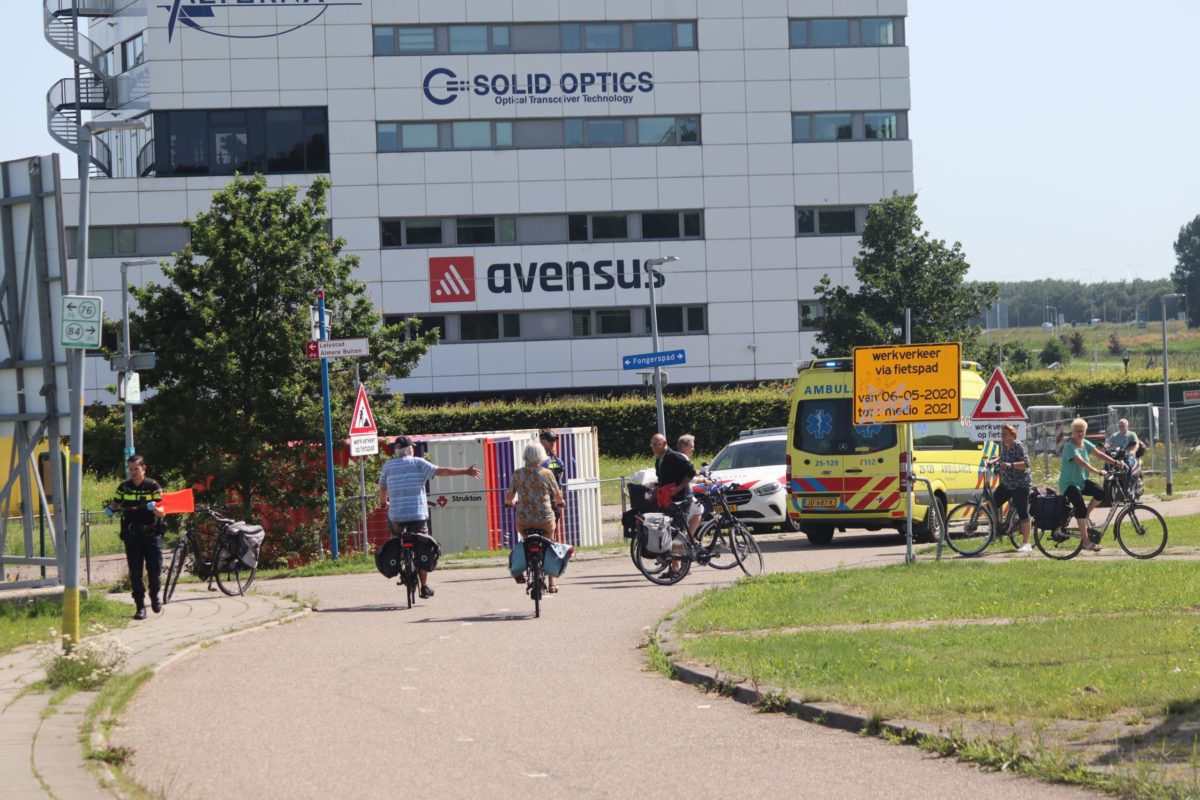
point(818, 502)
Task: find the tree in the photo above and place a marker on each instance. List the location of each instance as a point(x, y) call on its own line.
point(899, 266)
point(1054, 350)
point(1075, 341)
point(234, 392)
point(1186, 275)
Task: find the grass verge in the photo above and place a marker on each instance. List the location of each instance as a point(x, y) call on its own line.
point(30, 621)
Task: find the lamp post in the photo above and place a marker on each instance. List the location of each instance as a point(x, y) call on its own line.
point(651, 275)
point(1054, 319)
point(1166, 390)
point(69, 557)
point(125, 265)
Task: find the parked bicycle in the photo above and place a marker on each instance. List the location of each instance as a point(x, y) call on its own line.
point(973, 525)
point(1139, 529)
point(232, 563)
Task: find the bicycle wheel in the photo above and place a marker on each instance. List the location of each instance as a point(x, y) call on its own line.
point(1141, 531)
point(969, 528)
point(175, 568)
point(233, 576)
point(535, 589)
point(634, 547)
point(715, 539)
point(746, 551)
point(1061, 543)
point(1010, 527)
point(664, 568)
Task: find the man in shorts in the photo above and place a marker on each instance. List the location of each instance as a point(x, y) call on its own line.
point(676, 470)
point(402, 492)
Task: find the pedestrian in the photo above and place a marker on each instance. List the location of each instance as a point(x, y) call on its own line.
point(402, 491)
point(1074, 483)
point(537, 498)
point(139, 499)
point(549, 441)
point(1015, 481)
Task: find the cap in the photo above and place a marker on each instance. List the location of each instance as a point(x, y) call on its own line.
point(400, 443)
point(548, 436)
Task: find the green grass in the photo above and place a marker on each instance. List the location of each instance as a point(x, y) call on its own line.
point(24, 623)
point(105, 533)
point(1084, 640)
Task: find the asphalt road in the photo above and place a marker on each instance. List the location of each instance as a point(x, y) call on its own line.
point(467, 696)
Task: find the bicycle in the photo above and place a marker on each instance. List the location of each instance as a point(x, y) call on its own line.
point(1139, 529)
point(723, 533)
point(535, 543)
point(226, 565)
point(972, 525)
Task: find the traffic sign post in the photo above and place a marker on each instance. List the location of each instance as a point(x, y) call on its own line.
point(661, 359)
point(998, 406)
point(364, 436)
point(336, 348)
point(81, 321)
point(907, 383)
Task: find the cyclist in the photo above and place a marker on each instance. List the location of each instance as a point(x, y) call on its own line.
point(1073, 481)
point(534, 493)
point(402, 492)
point(675, 472)
point(1015, 481)
point(139, 499)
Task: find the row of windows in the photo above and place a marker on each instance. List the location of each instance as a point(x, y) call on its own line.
point(830, 220)
point(540, 229)
point(846, 32)
point(848, 126)
point(270, 140)
point(534, 133)
point(125, 56)
point(129, 240)
point(552, 37)
point(560, 324)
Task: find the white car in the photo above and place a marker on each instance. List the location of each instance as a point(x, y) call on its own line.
point(756, 463)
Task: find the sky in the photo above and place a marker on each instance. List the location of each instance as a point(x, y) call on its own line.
point(1052, 138)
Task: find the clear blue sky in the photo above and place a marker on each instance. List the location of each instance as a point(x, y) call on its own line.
point(1053, 139)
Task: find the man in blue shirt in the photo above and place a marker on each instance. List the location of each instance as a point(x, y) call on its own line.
point(402, 492)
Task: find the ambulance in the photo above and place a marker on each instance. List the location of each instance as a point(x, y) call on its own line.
point(843, 476)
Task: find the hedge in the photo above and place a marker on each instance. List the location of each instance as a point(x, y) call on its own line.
point(625, 424)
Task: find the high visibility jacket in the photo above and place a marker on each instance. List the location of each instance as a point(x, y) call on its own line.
point(132, 499)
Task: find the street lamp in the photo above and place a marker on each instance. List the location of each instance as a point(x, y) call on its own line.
point(1054, 319)
point(651, 274)
point(69, 558)
point(125, 265)
point(1167, 390)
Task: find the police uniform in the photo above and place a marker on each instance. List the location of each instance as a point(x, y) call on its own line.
point(141, 531)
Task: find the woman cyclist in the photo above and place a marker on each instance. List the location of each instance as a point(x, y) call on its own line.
point(1073, 481)
point(1015, 481)
point(534, 493)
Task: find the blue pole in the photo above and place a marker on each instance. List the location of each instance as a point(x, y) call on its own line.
point(333, 542)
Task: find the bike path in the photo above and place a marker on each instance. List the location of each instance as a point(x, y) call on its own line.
point(466, 695)
point(40, 752)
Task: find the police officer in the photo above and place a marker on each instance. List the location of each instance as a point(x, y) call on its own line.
point(139, 499)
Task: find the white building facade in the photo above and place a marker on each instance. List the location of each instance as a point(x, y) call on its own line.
point(504, 168)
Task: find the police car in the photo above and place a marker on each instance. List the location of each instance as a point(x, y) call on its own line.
point(756, 463)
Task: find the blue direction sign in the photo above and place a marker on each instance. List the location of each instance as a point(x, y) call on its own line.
point(663, 359)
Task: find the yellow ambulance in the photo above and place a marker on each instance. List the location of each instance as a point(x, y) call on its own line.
point(842, 475)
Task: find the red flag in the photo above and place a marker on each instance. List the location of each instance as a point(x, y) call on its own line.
point(181, 502)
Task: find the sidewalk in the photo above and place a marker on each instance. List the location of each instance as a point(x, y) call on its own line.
point(40, 747)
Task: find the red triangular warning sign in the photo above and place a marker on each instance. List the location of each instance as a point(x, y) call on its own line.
point(362, 422)
point(998, 401)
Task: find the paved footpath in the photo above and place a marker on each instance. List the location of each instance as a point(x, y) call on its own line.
point(467, 696)
point(40, 752)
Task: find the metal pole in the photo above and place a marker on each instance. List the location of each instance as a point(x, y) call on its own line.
point(333, 542)
point(909, 557)
point(125, 375)
point(1166, 393)
point(69, 561)
point(658, 397)
point(362, 480)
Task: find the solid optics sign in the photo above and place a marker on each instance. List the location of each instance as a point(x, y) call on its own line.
point(442, 86)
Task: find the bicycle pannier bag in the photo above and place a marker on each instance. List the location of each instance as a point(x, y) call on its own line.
point(658, 532)
point(427, 553)
point(557, 556)
point(387, 558)
point(516, 560)
point(248, 541)
point(629, 523)
point(1048, 508)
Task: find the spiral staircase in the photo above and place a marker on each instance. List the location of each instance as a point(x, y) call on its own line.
point(91, 88)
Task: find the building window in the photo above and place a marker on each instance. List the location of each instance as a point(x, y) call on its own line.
point(551, 325)
point(830, 221)
point(133, 52)
point(392, 137)
point(534, 37)
point(130, 240)
point(846, 32)
point(677, 320)
point(811, 312)
point(849, 126)
point(541, 229)
point(487, 326)
point(270, 140)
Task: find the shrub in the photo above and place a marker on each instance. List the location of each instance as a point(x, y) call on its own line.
point(1054, 350)
point(87, 665)
point(1115, 346)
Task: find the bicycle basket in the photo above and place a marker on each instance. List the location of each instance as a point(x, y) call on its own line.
point(641, 498)
point(658, 532)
